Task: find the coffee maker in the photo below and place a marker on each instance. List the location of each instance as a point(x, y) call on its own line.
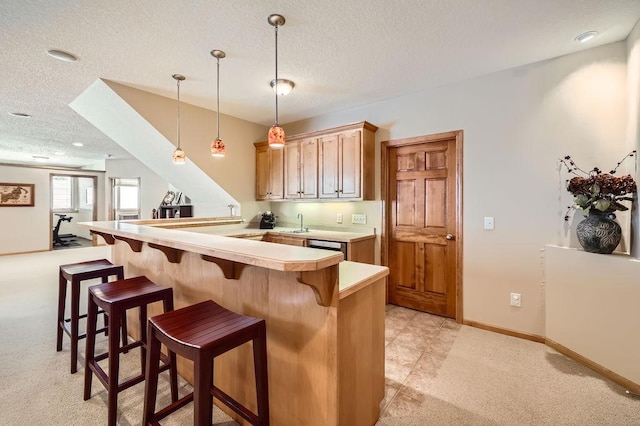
point(268, 220)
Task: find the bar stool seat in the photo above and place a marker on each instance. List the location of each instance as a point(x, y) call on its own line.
point(75, 273)
point(201, 332)
point(115, 298)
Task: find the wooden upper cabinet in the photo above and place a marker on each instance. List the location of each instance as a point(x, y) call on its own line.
point(335, 163)
point(269, 172)
point(301, 169)
point(341, 168)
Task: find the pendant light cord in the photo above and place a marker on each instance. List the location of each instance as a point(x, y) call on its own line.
point(276, 86)
point(218, 96)
point(178, 113)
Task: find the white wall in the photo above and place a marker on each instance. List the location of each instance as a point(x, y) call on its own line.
point(633, 125)
point(27, 229)
point(516, 124)
point(592, 307)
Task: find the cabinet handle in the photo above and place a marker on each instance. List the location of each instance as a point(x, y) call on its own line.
point(336, 191)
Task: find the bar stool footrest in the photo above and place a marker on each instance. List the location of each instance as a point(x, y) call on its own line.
point(234, 405)
point(171, 408)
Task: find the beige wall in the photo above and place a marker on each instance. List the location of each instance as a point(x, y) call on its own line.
point(235, 173)
point(516, 124)
point(27, 229)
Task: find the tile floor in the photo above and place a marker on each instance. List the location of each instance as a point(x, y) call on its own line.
point(416, 345)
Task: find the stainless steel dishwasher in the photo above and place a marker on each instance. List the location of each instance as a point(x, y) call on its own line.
point(328, 245)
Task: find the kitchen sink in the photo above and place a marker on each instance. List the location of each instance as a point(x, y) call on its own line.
point(298, 231)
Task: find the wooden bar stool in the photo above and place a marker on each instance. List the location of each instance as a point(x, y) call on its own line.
point(115, 298)
point(201, 332)
point(76, 273)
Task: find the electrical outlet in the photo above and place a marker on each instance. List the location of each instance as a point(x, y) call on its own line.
point(516, 299)
point(339, 218)
point(359, 218)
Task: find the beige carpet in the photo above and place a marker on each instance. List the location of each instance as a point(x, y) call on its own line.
point(438, 373)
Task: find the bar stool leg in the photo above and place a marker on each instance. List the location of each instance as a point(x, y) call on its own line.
point(114, 366)
point(92, 317)
point(151, 383)
point(260, 368)
point(62, 298)
point(173, 367)
point(202, 383)
point(143, 337)
point(75, 319)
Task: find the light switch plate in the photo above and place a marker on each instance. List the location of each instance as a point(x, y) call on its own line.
point(359, 218)
point(339, 218)
point(488, 222)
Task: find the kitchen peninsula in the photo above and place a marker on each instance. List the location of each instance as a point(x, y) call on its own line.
point(324, 316)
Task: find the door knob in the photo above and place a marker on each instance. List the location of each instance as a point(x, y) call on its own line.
point(450, 237)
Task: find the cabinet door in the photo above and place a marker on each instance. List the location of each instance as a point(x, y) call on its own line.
point(269, 173)
point(350, 160)
point(328, 187)
point(263, 176)
point(309, 168)
point(276, 173)
point(292, 188)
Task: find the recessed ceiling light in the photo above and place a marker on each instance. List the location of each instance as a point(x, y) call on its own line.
point(62, 55)
point(77, 144)
point(20, 114)
point(58, 153)
point(586, 36)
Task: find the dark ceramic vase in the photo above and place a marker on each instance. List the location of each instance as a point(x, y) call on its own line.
point(599, 232)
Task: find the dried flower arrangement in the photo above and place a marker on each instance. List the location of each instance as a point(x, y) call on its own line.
point(595, 191)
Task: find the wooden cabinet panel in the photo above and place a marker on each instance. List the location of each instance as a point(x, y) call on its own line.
point(328, 167)
point(349, 163)
point(309, 168)
point(301, 169)
point(269, 172)
point(284, 239)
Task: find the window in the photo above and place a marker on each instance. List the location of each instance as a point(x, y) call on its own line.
point(125, 198)
point(62, 190)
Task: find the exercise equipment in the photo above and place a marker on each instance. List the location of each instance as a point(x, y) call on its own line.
point(57, 237)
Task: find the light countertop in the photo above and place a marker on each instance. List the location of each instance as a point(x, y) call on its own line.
point(212, 240)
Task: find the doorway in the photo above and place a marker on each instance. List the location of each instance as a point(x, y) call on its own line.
point(422, 222)
point(73, 200)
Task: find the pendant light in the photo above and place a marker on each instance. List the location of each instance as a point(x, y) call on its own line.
point(276, 132)
point(179, 156)
point(217, 146)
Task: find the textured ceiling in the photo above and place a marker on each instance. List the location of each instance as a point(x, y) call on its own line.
point(340, 54)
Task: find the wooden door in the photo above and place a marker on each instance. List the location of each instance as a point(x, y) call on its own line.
point(350, 160)
point(328, 167)
point(309, 168)
point(423, 223)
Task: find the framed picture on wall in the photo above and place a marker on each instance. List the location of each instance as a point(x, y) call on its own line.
point(16, 194)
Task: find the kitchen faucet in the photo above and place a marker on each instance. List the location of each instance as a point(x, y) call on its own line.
point(301, 221)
